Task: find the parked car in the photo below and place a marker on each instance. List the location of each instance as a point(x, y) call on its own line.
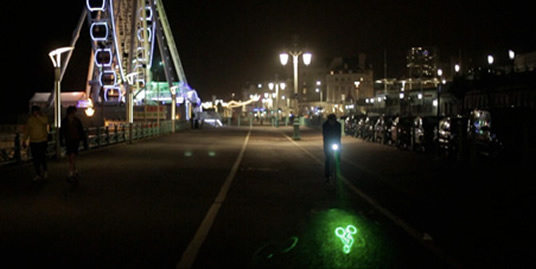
point(381, 129)
point(360, 127)
point(393, 134)
point(504, 134)
point(453, 135)
point(350, 123)
point(368, 128)
point(405, 132)
point(401, 131)
point(480, 133)
point(388, 130)
point(424, 133)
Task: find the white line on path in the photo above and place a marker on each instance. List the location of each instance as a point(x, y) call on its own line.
point(189, 255)
point(419, 236)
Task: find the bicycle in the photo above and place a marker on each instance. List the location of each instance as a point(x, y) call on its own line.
point(333, 163)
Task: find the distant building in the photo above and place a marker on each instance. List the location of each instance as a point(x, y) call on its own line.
point(422, 63)
point(525, 62)
point(348, 81)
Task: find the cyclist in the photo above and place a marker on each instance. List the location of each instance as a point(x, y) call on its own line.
point(331, 134)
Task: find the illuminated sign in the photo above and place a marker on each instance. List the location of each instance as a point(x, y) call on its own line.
point(346, 236)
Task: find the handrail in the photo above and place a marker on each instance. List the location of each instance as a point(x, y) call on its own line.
point(12, 151)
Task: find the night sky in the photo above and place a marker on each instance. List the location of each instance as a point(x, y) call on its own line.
point(223, 44)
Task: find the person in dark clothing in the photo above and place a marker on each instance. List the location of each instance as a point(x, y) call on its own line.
point(331, 134)
point(71, 133)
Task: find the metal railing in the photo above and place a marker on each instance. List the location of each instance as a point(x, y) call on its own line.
point(12, 150)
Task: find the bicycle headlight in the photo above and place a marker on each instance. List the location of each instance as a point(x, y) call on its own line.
point(335, 147)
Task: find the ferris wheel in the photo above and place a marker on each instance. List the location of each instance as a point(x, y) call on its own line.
point(124, 34)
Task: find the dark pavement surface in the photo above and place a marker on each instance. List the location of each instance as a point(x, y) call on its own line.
point(140, 205)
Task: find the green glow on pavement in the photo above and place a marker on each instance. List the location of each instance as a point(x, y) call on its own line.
point(344, 238)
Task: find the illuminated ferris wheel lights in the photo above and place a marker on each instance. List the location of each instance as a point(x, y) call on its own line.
point(149, 34)
point(99, 31)
point(140, 55)
point(148, 13)
point(96, 5)
point(112, 92)
point(103, 57)
point(108, 79)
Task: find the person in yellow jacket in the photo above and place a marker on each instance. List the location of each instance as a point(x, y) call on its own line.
point(36, 131)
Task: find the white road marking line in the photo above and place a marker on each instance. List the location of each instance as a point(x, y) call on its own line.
point(189, 255)
point(404, 225)
point(419, 236)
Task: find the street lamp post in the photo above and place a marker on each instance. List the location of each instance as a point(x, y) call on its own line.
point(439, 74)
point(55, 57)
point(277, 85)
point(131, 80)
point(490, 59)
point(319, 89)
point(173, 106)
point(306, 60)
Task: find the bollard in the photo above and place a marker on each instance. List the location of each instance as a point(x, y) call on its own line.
point(116, 135)
point(130, 133)
point(296, 124)
point(58, 143)
point(107, 132)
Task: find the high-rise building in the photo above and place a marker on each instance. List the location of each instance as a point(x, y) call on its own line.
point(422, 63)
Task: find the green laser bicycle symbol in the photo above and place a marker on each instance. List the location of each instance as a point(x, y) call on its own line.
point(346, 236)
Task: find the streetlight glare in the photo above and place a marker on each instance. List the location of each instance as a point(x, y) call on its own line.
point(490, 59)
point(307, 58)
point(283, 57)
point(89, 112)
point(511, 54)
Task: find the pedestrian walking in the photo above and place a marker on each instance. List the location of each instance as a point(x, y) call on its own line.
point(36, 132)
point(71, 134)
